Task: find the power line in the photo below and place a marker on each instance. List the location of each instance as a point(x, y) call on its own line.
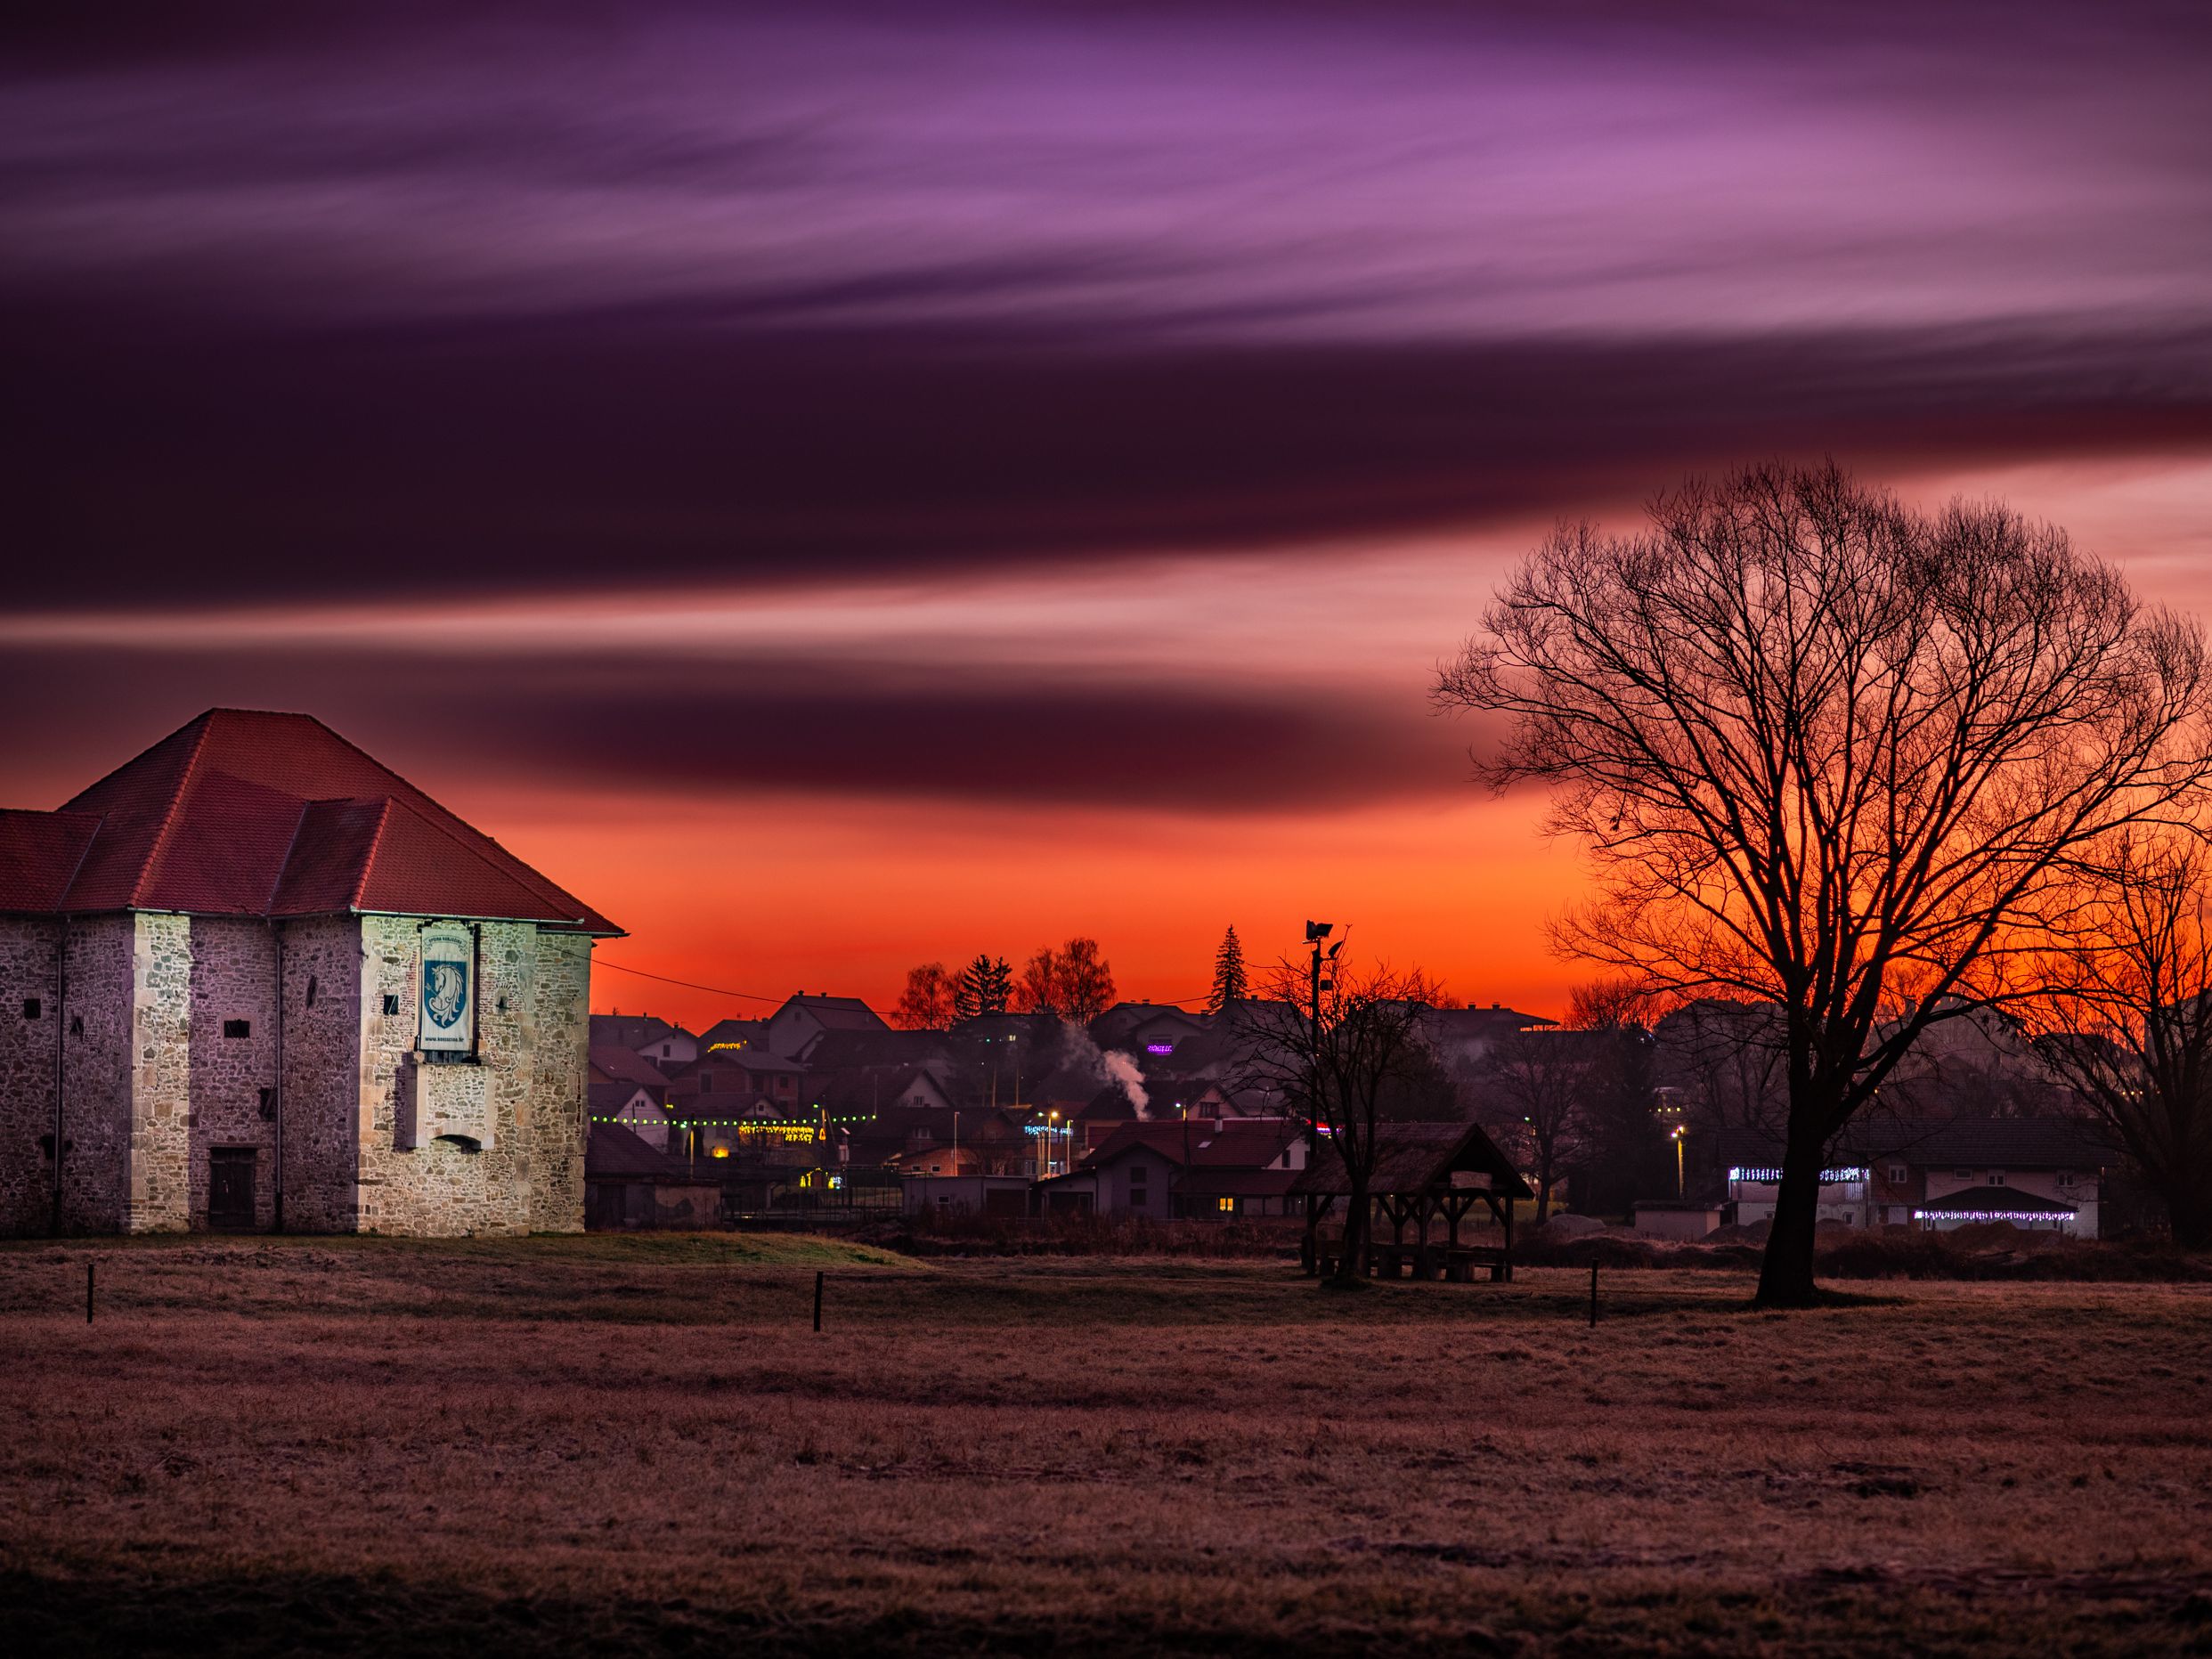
point(755, 996)
point(689, 985)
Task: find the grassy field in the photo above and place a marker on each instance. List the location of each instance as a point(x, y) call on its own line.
point(592, 1445)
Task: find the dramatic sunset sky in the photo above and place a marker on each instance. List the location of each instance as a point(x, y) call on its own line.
point(838, 486)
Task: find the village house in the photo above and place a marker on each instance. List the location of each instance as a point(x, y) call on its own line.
point(258, 980)
point(628, 1090)
point(1198, 1168)
point(1146, 1028)
point(631, 1184)
point(793, 1029)
point(700, 1088)
point(667, 1047)
point(2038, 1173)
point(732, 1034)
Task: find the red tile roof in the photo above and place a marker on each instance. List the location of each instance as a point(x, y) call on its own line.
point(248, 813)
point(628, 1066)
point(39, 856)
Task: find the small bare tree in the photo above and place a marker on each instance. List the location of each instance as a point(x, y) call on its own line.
point(1532, 1084)
point(1335, 1058)
point(1833, 754)
point(926, 1004)
point(2126, 1018)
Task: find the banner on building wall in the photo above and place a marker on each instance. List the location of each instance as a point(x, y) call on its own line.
point(448, 1024)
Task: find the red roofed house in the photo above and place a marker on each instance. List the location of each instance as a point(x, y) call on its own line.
point(1195, 1168)
point(255, 979)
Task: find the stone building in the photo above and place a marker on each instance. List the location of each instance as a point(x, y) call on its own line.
point(254, 980)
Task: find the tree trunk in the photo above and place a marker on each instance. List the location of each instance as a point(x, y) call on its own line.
point(1543, 1190)
point(2189, 1215)
point(1352, 1266)
point(1786, 1273)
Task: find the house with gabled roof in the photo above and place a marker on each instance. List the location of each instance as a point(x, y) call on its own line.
point(731, 1034)
point(1196, 1167)
point(792, 1028)
point(625, 1088)
point(666, 1046)
point(257, 979)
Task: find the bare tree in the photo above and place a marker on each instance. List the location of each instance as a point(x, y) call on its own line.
point(926, 1004)
point(1724, 1060)
point(1834, 754)
point(1532, 1083)
point(1073, 982)
point(2126, 1018)
point(1624, 1149)
point(1335, 1058)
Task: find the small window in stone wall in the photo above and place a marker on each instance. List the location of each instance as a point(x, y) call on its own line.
point(238, 1028)
point(311, 990)
point(32, 1008)
point(76, 1025)
point(391, 1002)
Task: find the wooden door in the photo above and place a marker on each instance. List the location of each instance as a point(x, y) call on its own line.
point(230, 1188)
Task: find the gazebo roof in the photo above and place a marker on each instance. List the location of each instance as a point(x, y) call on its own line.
point(1413, 1158)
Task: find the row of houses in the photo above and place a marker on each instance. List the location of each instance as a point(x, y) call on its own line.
point(823, 1098)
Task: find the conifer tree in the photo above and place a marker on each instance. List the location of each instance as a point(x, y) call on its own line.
point(985, 987)
point(1230, 985)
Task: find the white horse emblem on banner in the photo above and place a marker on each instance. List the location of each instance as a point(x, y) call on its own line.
point(445, 991)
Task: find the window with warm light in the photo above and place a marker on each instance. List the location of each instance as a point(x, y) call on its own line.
point(1227, 1205)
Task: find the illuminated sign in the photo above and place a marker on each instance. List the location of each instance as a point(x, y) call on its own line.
point(1159, 1048)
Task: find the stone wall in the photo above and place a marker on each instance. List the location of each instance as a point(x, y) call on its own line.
point(524, 1173)
point(100, 1066)
point(160, 1163)
point(322, 1099)
point(233, 983)
point(151, 1085)
point(560, 1110)
point(30, 971)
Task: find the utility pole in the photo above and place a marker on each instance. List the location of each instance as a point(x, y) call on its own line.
point(1316, 932)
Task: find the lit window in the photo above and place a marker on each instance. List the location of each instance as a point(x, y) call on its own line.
point(1226, 1205)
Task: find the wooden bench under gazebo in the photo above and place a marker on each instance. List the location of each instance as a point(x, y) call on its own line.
point(1425, 1173)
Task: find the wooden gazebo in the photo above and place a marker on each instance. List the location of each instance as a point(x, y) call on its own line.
point(1424, 1173)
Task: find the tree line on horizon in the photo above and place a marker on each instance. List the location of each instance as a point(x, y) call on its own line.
point(1072, 981)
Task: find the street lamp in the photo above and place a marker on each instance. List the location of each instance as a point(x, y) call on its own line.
point(1676, 1135)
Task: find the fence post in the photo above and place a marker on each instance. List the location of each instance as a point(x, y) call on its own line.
point(817, 1302)
point(88, 1292)
point(1593, 1293)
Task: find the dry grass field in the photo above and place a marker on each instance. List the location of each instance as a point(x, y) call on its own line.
point(596, 1446)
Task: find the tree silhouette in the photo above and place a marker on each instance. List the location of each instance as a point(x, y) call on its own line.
point(1229, 984)
point(1834, 754)
point(1336, 1066)
point(1073, 982)
point(926, 1004)
point(985, 987)
point(2126, 1017)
